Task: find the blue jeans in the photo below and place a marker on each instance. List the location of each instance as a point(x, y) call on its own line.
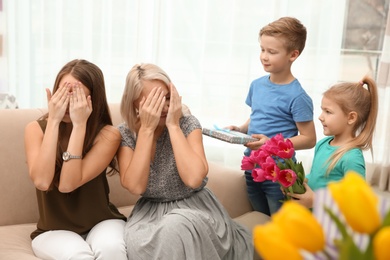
point(265, 197)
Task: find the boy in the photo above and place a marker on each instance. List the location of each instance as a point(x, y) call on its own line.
point(278, 104)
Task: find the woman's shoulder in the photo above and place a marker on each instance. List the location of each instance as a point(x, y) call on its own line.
point(110, 132)
point(36, 125)
point(190, 120)
point(189, 123)
point(123, 129)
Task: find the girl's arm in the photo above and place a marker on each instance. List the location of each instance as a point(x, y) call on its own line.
point(189, 152)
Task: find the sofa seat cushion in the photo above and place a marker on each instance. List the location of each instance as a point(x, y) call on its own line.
point(126, 210)
point(15, 242)
point(251, 219)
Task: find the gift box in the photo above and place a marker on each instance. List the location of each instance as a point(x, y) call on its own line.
point(229, 136)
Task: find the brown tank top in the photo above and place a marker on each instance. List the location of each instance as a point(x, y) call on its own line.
point(77, 211)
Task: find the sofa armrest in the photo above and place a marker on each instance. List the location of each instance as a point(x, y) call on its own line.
point(229, 186)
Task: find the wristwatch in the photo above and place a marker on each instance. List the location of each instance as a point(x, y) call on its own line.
point(66, 156)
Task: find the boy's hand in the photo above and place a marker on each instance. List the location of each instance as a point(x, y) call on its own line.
point(233, 128)
point(257, 144)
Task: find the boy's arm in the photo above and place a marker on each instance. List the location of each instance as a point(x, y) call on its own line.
point(307, 136)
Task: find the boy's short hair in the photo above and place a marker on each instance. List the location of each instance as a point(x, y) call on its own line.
point(289, 28)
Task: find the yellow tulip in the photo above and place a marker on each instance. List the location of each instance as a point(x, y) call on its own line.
point(381, 244)
point(272, 243)
point(354, 196)
point(300, 226)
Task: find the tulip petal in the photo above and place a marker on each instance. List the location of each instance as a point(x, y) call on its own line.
point(271, 243)
point(381, 244)
point(301, 227)
point(353, 196)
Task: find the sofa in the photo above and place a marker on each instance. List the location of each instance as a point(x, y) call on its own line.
point(18, 206)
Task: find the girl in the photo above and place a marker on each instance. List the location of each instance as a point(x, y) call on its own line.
point(68, 151)
point(348, 117)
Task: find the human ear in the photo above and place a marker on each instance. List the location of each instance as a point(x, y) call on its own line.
point(294, 55)
point(352, 117)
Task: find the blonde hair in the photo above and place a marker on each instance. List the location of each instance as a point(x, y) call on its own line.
point(355, 97)
point(138, 74)
point(290, 29)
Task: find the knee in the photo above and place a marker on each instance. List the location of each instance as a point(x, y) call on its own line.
point(110, 249)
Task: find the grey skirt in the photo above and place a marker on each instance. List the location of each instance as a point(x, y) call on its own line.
point(196, 228)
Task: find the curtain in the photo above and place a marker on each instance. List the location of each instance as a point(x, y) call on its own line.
point(381, 168)
point(209, 48)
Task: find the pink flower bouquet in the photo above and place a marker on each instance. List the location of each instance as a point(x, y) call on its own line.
point(273, 161)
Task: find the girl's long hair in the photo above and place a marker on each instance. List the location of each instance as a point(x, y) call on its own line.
point(364, 101)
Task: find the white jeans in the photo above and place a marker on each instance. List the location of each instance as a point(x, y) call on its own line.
point(104, 242)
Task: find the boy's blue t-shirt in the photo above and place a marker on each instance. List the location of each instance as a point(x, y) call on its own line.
point(352, 160)
point(276, 108)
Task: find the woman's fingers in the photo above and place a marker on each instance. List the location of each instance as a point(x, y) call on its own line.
point(48, 95)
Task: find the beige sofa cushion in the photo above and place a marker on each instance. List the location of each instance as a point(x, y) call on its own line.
point(18, 243)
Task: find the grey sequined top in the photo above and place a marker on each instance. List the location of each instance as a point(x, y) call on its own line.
point(164, 182)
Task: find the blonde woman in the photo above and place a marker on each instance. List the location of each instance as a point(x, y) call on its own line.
point(162, 159)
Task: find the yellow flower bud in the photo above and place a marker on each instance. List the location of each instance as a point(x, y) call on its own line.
point(381, 244)
point(271, 243)
point(300, 226)
point(353, 196)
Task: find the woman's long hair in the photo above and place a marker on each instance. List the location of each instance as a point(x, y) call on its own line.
point(91, 77)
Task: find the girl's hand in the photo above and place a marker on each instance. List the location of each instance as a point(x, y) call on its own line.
point(257, 144)
point(150, 109)
point(58, 102)
point(306, 199)
point(175, 108)
point(80, 106)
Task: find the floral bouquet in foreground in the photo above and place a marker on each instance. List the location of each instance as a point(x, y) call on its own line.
point(349, 221)
point(273, 161)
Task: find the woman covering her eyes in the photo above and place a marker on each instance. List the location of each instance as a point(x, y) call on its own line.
point(162, 158)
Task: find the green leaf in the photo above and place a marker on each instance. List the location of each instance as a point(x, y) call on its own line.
point(338, 223)
point(298, 188)
point(348, 250)
point(386, 220)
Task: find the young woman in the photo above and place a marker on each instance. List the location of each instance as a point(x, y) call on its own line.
point(162, 158)
point(68, 152)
